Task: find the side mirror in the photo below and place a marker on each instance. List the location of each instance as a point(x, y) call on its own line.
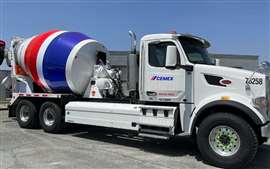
point(171, 57)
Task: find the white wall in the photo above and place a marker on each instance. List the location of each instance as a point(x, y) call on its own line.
point(240, 63)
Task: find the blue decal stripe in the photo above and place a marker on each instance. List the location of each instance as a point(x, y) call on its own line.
point(162, 78)
point(55, 58)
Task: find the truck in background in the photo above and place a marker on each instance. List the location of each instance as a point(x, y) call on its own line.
point(173, 89)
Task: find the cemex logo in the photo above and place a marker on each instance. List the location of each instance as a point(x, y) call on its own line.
point(162, 78)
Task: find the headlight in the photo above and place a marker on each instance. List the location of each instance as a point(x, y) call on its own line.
point(260, 102)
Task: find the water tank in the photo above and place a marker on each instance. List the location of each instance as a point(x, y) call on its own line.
point(59, 61)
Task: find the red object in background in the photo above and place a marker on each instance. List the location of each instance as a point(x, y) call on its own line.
point(2, 51)
point(2, 43)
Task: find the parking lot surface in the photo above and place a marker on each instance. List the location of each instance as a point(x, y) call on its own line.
point(92, 147)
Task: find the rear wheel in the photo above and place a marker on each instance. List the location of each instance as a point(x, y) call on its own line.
point(226, 140)
point(50, 116)
point(26, 114)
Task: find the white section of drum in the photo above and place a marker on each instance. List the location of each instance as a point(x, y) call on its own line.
point(21, 52)
point(18, 54)
point(80, 64)
point(40, 57)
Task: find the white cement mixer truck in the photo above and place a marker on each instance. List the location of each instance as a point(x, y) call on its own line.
point(172, 89)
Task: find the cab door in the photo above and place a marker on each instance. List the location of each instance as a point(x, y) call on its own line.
point(159, 83)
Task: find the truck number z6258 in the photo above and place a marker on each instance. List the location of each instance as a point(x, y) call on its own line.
point(254, 81)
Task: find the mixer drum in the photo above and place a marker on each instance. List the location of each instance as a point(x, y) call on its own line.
point(60, 61)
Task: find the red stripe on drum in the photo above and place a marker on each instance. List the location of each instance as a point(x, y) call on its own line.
point(31, 53)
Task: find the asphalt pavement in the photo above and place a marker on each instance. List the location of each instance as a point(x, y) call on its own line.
point(84, 147)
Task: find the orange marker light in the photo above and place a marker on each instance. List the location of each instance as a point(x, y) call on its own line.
point(19, 70)
point(225, 98)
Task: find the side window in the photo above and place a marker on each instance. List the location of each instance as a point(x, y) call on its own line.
point(157, 53)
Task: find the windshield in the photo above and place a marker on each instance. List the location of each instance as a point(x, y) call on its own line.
point(195, 51)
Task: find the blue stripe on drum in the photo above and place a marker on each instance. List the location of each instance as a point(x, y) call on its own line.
point(55, 59)
point(41, 53)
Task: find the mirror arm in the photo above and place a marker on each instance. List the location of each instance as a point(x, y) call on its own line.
point(188, 68)
point(170, 67)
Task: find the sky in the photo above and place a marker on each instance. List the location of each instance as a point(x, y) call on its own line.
point(232, 26)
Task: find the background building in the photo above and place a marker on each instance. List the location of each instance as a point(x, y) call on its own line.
point(248, 62)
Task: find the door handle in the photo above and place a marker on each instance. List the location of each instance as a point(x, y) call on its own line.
point(151, 93)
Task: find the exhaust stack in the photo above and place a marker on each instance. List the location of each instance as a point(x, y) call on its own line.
point(132, 65)
point(133, 42)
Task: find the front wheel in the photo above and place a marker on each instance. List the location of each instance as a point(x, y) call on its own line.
point(226, 140)
point(50, 117)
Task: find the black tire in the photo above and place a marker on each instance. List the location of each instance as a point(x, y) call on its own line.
point(27, 115)
point(248, 143)
point(50, 117)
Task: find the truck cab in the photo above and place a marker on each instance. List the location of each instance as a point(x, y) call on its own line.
point(176, 69)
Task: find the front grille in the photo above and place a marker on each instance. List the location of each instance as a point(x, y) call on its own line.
point(268, 94)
